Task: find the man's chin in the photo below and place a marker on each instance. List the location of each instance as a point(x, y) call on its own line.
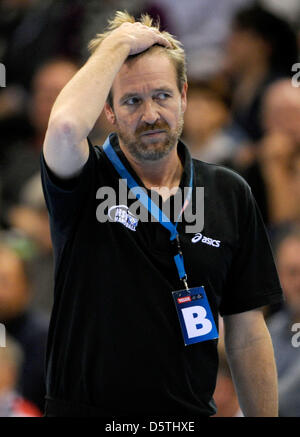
point(154, 150)
point(149, 147)
point(151, 155)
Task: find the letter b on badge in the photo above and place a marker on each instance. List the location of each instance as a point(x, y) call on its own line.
point(195, 315)
point(195, 321)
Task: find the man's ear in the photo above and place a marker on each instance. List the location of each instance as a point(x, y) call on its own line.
point(110, 115)
point(184, 97)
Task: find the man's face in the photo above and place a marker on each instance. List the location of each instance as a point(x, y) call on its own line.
point(47, 84)
point(281, 110)
point(243, 49)
point(14, 293)
point(148, 107)
point(288, 260)
point(213, 115)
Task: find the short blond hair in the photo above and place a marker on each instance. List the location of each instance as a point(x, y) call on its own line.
point(175, 52)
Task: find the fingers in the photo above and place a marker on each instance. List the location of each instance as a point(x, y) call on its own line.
point(153, 35)
point(159, 38)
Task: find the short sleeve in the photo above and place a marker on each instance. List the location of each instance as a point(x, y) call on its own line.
point(253, 280)
point(65, 198)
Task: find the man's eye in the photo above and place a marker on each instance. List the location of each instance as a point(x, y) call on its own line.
point(132, 101)
point(162, 96)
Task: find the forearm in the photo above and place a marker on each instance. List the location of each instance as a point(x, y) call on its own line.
point(254, 375)
point(81, 101)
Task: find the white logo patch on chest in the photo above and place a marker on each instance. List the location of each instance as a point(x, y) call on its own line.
point(121, 214)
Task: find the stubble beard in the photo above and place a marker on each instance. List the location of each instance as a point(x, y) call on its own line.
point(151, 150)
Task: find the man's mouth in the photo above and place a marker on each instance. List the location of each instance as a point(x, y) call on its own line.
point(151, 133)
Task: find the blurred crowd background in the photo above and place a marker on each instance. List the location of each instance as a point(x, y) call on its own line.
point(243, 112)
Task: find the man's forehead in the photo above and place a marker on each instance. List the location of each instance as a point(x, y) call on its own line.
point(154, 68)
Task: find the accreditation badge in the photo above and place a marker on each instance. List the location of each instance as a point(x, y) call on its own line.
point(195, 316)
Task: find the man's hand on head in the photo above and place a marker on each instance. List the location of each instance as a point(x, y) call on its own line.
point(138, 37)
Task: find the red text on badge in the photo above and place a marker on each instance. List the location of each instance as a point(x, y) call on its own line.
point(184, 299)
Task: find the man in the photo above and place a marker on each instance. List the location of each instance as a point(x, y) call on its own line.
point(284, 325)
point(29, 327)
point(272, 170)
point(21, 177)
point(261, 48)
point(12, 404)
point(115, 343)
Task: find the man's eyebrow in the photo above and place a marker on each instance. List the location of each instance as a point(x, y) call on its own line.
point(164, 90)
point(155, 91)
point(127, 96)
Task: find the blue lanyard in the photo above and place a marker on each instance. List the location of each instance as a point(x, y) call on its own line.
point(154, 210)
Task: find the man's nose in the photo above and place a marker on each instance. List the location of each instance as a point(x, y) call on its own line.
point(150, 113)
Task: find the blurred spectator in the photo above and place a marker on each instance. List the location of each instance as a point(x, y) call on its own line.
point(12, 404)
point(202, 26)
point(21, 160)
point(29, 221)
point(28, 327)
point(261, 49)
point(22, 205)
point(33, 31)
point(274, 173)
point(287, 352)
point(208, 129)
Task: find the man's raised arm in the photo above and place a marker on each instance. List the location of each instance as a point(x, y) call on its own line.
point(81, 101)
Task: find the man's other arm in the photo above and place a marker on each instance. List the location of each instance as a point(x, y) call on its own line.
point(81, 101)
point(250, 355)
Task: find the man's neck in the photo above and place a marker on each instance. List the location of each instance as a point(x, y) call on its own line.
point(158, 175)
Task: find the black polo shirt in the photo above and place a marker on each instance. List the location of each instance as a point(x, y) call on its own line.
point(115, 344)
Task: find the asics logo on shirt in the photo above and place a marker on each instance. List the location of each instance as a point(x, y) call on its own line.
point(205, 240)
